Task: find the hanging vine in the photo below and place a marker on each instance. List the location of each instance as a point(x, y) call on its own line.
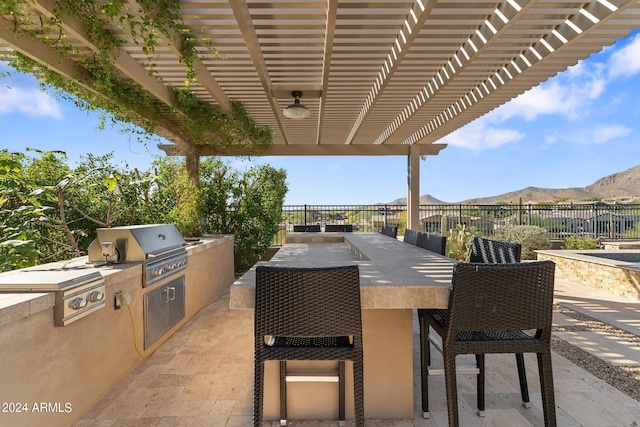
point(116, 94)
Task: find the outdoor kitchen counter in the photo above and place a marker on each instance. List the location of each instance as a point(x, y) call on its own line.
point(71, 368)
point(395, 278)
point(393, 274)
point(16, 305)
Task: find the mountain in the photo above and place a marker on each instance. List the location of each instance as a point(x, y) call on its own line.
point(424, 200)
point(535, 195)
point(622, 186)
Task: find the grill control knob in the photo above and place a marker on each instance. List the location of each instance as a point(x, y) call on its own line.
point(96, 296)
point(78, 303)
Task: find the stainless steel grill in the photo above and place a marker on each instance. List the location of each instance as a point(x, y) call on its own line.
point(163, 254)
point(160, 248)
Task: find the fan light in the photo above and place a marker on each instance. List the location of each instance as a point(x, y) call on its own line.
point(296, 110)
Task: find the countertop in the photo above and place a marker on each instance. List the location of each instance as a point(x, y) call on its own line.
point(393, 274)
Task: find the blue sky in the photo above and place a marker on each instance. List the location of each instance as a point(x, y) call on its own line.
point(571, 130)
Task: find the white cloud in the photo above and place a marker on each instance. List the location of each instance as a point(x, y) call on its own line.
point(573, 94)
point(478, 135)
point(625, 62)
point(590, 134)
point(567, 95)
point(549, 99)
point(609, 132)
point(31, 102)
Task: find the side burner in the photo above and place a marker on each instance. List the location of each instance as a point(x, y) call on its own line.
point(78, 292)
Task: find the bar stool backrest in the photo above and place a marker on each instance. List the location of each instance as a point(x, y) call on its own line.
point(432, 242)
point(494, 251)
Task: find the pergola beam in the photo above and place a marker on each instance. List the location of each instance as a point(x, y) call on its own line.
point(203, 76)
point(242, 14)
point(67, 68)
point(121, 59)
point(332, 12)
point(314, 150)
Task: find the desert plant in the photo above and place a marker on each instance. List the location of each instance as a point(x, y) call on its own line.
point(459, 241)
point(576, 241)
point(531, 237)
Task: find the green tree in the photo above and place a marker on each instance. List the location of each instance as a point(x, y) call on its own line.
point(50, 211)
point(247, 205)
point(17, 247)
point(35, 208)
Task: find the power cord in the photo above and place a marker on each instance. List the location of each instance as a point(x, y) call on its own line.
point(135, 340)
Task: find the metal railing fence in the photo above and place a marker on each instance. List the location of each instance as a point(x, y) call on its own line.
point(596, 220)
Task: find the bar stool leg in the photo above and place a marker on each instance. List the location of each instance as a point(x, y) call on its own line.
point(480, 397)
point(522, 375)
point(283, 393)
point(341, 393)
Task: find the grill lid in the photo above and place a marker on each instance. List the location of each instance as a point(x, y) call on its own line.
point(139, 242)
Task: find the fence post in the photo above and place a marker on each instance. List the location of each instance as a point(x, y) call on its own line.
point(595, 221)
point(520, 212)
point(305, 214)
point(384, 217)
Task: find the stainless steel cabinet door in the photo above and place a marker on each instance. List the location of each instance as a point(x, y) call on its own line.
point(164, 307)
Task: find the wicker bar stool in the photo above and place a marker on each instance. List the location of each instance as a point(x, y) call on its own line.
point(411, 236)
point(494, 251)
point(344, 228)
point(432, 242)
point(315, 228)
point(308, 314)
point(389, 230)
point(482, 251)
point(494, 308)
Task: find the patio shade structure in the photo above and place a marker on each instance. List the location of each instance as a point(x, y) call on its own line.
point(379, 77)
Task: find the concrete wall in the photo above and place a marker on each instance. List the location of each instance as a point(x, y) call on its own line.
point(53, 375)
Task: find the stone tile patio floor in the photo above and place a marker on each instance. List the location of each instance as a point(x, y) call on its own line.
point(203, 376)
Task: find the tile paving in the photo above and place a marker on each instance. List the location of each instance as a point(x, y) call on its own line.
point(203, 375)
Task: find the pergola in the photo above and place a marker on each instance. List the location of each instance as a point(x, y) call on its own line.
point(381, 77)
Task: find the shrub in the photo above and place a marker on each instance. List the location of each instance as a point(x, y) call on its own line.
point(579, 242)
point(531, 237)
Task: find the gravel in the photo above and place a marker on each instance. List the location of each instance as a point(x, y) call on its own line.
point(624, 378)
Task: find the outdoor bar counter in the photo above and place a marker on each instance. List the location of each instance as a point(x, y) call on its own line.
point(395, 278)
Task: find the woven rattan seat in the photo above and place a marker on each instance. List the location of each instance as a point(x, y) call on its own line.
point(308, 314)
point(411, 236)
point(389, 230)
point(432, 242)
point(309, 341)
point(492, 308)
